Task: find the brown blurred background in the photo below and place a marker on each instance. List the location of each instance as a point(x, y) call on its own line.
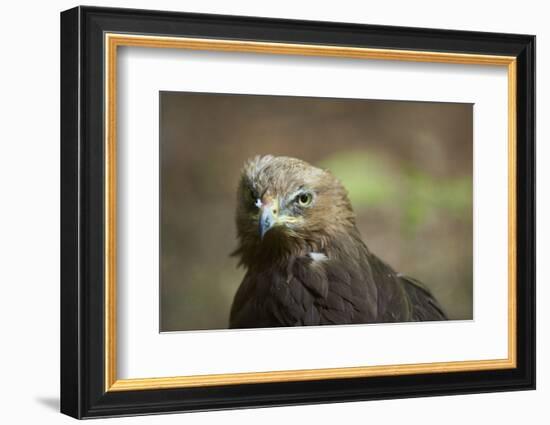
point(407, 167)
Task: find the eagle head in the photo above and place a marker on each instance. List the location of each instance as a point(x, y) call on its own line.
point(287, 207)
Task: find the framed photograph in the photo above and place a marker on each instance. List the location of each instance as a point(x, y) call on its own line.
point(261, 212)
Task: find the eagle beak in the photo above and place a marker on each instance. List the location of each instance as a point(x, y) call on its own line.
point(269, 214)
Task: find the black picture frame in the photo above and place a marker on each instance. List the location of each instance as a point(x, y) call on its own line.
point(83, 392)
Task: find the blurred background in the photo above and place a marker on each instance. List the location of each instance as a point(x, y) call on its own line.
point(407, 167)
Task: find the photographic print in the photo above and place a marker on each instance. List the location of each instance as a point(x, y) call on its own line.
point(283, 211)
point(257, 184)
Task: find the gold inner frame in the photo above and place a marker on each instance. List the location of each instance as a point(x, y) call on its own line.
point(113, 41)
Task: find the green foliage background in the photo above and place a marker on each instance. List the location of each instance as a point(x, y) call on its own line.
point(406, 165)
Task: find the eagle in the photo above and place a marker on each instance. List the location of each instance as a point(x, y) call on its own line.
point(306, 263)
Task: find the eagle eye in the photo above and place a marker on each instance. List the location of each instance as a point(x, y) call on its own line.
point(304, 199)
